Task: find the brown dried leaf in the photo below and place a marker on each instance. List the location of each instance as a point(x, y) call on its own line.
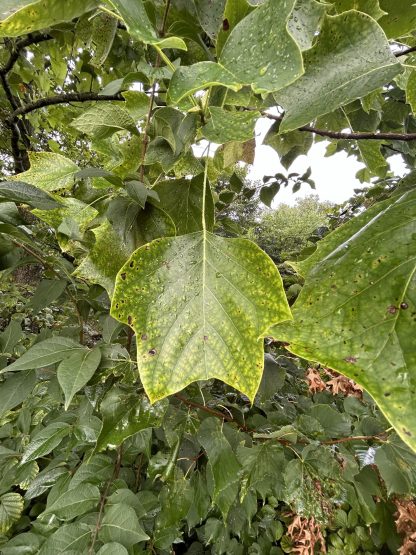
point(315, 382)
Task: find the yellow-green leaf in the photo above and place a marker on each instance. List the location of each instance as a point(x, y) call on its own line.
point(200, 305)
point(48, 171)
point(11, 507)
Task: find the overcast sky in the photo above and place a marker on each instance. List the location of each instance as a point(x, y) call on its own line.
point(334, 176)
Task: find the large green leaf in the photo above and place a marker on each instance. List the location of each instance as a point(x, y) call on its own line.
point(102, 120)
point(189, 79)
point(210, 15)
point(15, 390)
point(74, 502)
point(304, 22)
point(323, 87)
point(27, 16)
point(357, 311)
point(138, 23)
point(48, 171)
point(45, 440)
point(70, 538)
point(182, 200)
point(199, 305)
point(124, 415)
point(76, 370)
point(120, 524)
point(400, 18)
point(260, 51)
point(225, 126)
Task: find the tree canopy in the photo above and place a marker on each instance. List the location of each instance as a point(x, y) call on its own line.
point(153, 373)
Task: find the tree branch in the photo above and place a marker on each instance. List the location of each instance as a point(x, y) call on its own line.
point(19, 46)
point(405, 52)
point(62, 99)
point(372, 136)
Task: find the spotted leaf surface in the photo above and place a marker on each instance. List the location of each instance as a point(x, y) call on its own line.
point(225, 126)
point(48, 171)
point(199, 305)
point(357, 311)
point(353, 41)
point(260, 51)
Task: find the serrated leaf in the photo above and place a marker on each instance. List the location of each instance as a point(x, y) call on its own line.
point(182, 200)
point(44, 353)
point(260, 51)
point(74, 502)
point(31, 15)
point(139, 26)
point(189, 79)
point(76, 370)
point(15, 389)
point(70, 538)
point(11, 507)
point(356, 311)
point(120, 524)
point(21, 192)
point(45, 440)
point(103, 120)
point(225, 126)
point(48, 171)
point(124, 415)
point(323, 88)
point(199, 304)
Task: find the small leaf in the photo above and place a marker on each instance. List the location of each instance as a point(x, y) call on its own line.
point(120, 524)
point(44, 353)
point(76, 370)
point(268, 193)
point(74, 502)
point(10, 336)
point(11, 507)
point(15, 390)
point(70, 538)
point(323, 88)
point(199, 304)
point(48, 171)
point(45, 441)
point(113, 548)
point(46, 292)
point(21, 192)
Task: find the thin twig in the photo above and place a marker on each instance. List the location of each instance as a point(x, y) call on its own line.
point(405, 52)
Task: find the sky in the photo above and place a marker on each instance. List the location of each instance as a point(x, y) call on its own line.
point(334, 176)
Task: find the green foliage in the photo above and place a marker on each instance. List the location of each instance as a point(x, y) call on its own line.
point(152, 398)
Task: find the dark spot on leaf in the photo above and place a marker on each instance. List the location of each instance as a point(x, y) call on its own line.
point(404, 306)
point(392, 309)
point(205, 337)
point(225, 25)
point(144, 337)
point(123, 275)
point(152, 352)
point(129, 320)
point(387, 394)
point(131, 264)
point(407, 432)
point(351, 359)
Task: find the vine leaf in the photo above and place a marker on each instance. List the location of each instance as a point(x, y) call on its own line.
point(356, 311)
point(199, 305)
point(342, 42)
point(27, 16)
point(48, 171)
point(263, 39)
